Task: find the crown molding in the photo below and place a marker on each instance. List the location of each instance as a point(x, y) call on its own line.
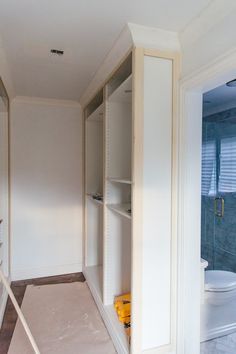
point(132, 35)
point(154, 38)
point(46, 101)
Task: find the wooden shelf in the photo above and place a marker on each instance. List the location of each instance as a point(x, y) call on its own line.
point(97, 115)
point(123, 93)
point(119, 180)
point(99, 202)
point(121, 209)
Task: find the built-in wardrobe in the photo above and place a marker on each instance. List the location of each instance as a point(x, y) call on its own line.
point(129, 198)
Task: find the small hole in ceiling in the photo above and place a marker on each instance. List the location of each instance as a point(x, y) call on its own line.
point(57, 51)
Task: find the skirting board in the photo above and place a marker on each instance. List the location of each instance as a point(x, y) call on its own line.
point(29, 273)
point(217, 320)
point(3, 305)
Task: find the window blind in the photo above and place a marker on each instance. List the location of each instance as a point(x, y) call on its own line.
point(227, 177)
point(209, 168)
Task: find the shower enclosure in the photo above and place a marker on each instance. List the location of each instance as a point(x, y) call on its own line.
point(218, 224)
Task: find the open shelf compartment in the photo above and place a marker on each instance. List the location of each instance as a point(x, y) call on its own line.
point(119, 140)
point(94, 104)
point(94, 244)
point(97, 115)
point(120, 76)
point(123, 93)
point(94, 153)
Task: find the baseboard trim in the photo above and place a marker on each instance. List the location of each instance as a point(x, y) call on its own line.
point(29, 273)
point(219, 331)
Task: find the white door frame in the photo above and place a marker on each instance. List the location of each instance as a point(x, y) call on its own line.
point(216, 73)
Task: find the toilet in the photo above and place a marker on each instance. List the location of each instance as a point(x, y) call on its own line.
point(220, 287)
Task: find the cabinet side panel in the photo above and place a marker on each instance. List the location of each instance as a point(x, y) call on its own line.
point(4, 202)
point(94, 157)
point(157, 167)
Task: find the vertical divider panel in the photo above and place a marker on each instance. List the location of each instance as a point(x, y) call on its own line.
point(4, 183)
point(157, 202)
point(111, 228)
point(4, 191)
point(84, 196)
point(105, 243)
point(117, 230)
point(137, 177)
point(93, 183)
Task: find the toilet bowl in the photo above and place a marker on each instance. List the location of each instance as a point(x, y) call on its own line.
point(220, 287)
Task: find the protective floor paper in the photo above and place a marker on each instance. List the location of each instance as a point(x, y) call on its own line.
point(63, 319)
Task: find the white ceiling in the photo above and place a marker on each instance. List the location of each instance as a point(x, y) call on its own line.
point(84, 29)
point(221, 98)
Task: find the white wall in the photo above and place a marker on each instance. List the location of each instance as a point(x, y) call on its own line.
point(7, 80)
point(46, 188)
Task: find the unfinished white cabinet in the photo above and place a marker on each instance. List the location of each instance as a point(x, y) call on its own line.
point(129, 199)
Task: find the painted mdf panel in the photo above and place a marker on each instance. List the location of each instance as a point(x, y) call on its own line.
point(4, 231)
point(94, 157)
point(156, 291)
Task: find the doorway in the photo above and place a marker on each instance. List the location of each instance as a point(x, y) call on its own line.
point(218, 218)
point(218, 224)
point(192, 90)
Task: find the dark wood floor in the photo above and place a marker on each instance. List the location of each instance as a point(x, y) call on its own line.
point(18, 288)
